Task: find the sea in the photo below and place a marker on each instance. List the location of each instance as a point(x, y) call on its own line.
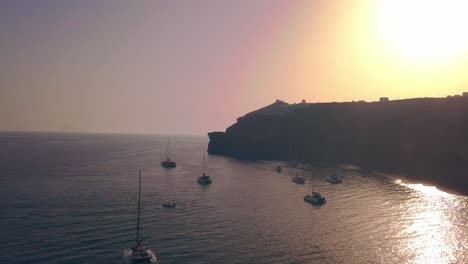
point(72, 198)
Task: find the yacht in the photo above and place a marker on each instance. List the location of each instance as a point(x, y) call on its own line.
point(291, 164)
point(298, 179)
point(204, 179)
point(314, 198)
point(139, 254)
point(335, 179)
point(168, 163)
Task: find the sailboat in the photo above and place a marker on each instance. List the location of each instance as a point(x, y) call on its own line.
point(204, 179)
point(168, 163)
point(335, 179)
point(314, 198)
point(298, 179)
point(139, 254)
point(291, 163)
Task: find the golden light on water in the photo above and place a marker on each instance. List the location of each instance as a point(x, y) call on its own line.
point(430, 236)
point(426, 190)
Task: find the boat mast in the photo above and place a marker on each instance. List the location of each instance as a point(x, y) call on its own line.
point(313, 177)
point(203, 166)
point(138, 215)
point(167, 149)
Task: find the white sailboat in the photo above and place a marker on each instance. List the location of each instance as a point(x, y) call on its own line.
point(168, 163)
point(204, 179)
point(139, 254)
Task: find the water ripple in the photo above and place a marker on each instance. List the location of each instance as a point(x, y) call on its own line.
point(77, 204)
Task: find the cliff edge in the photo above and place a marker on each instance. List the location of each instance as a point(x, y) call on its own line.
point(424, 138)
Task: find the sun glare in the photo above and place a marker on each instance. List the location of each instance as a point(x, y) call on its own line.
point(425, 30)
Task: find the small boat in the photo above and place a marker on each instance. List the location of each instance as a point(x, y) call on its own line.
point(335, 179)
point(169, 204)
point(298, 180)
point(314, 198)
point(292, 158)
point(168, 163)
point(139, 254)
point(291, 164)
point(278, 169)
point(204, 179)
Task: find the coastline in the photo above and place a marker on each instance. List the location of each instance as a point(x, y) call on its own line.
point(421, 139)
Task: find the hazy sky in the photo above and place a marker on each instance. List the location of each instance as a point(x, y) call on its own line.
point(195, 66)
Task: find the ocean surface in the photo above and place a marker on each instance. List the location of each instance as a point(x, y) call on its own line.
point(70, 198)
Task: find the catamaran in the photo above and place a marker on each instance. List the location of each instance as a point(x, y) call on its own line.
point(139, 254)
point(204, 179)
point(314, 198)
point(168, 163)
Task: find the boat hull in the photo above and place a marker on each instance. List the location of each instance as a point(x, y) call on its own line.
point(168, 164)
point(299, 180)
point(145, 256)
point(204, 181)
point(334, 181)
point(315, 200)
point(169, 205)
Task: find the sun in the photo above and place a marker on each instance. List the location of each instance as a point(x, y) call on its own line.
point(424, 30)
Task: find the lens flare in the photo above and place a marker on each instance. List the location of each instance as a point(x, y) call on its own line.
point(425, 30)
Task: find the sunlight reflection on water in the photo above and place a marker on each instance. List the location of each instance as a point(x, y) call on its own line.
point(70, 202)
point(431, 235)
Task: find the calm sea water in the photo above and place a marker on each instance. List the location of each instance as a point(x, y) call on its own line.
point(72, 199)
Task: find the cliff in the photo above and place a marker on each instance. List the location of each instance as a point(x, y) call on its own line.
point(424, 139)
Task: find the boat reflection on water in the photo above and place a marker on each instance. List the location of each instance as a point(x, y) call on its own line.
point(432, 230)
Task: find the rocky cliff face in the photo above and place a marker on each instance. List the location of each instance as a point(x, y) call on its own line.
point(424, 139)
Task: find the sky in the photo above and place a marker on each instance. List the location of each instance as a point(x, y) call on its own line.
point(191, 67)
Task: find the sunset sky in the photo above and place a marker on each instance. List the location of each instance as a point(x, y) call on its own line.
point(190, 67)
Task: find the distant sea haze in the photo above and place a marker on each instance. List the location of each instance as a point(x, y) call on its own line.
point(422, 139)
point(68, 198)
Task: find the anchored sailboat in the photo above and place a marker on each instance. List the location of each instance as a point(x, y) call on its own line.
point(298, 179)
point(204, 179)
point(314, 198)
point(139, 254)
point(335, 179)
point(168, 163)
